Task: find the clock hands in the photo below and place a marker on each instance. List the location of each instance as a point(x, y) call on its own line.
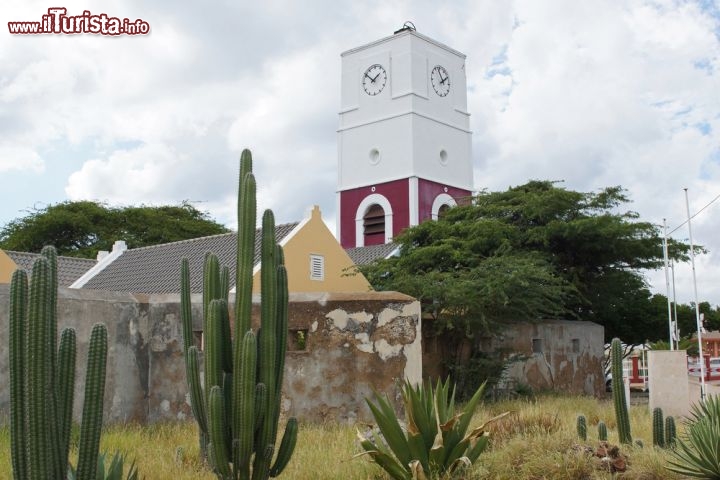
point(374, 79)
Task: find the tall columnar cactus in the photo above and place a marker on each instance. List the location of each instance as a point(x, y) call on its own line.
point(602, 431)
point(581, 426)
point(658, 428)
point(42, 379)
point(670, 432)
point(238, 407)
point(621, 408)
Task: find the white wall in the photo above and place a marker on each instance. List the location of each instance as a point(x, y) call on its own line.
point(408, 123)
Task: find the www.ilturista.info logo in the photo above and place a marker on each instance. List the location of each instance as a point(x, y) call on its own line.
point(58, 22)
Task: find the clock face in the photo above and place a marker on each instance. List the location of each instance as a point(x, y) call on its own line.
point(374, 79)
point(440, 80)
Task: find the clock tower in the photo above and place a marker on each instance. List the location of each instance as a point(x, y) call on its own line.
point(404, 143)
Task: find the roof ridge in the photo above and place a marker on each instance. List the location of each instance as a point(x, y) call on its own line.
point(188, 240)
point(59, 256)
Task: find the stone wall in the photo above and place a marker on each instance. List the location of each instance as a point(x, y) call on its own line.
point(547, 355)
point(341, 347)
point(557, 355)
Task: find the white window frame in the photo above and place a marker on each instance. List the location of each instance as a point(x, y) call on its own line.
point(317, 263)
point(440, 200)
point(368, 202)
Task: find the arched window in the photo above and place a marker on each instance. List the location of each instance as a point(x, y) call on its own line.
point(441, 204)
point(373, 221)
point(442, 210)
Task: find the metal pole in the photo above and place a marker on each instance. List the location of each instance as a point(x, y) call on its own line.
point(667, 283)
point(675, 319)
point(697, 305)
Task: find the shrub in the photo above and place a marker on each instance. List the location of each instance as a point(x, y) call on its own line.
point(697, 453)
point(435, 441)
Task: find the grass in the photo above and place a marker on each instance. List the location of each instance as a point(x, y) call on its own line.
point(536, 442)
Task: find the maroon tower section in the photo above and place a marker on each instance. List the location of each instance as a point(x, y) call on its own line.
point(366, 208)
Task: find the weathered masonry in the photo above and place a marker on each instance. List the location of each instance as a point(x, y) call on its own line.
point(557, 355)
point(340, 348)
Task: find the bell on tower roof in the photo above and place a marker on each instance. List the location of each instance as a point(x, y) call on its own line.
point(406, 26)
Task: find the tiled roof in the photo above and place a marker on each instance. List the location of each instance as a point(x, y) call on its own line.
point(69, 268)
point(156, 269)
point(365, 255)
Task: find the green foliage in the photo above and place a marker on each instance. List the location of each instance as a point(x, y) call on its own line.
point(534, 251)
point(42, 378)
point(658, 428)
point(115, 470)
point(435, 442)
point(686, 343)
point(622, 415)
point(81, 229)
point(238, 407)
point(481, 367)
point(581, 427)
point(697, 455)
point(602, 431)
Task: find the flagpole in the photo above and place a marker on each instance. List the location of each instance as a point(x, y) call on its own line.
point(675, 319)
point(667, 283)
point(697, 305)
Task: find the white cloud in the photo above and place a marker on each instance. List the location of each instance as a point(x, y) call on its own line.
point(606, 94)
point(595, 93)
point(20, 158)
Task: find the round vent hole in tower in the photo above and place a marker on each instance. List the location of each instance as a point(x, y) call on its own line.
point(443, 157)
point(374, 156)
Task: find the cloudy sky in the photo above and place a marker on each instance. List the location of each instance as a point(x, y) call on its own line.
point(594, 93)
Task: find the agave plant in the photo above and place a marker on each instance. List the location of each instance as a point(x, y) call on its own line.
point(697, 453)
point(435, 442)
point(115, 471)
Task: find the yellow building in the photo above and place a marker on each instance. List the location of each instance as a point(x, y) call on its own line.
point(69, 268)
point(314, 259)
point(7, 267)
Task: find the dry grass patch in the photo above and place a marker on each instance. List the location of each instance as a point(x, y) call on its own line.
point(537, 442)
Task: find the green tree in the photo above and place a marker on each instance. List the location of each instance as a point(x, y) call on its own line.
point(534, 251)
point(81, 229)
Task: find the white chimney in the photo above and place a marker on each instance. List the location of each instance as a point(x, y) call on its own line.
point(119, 246)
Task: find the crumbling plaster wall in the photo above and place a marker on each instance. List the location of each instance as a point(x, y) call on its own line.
point(354, 343)
point(556, 355)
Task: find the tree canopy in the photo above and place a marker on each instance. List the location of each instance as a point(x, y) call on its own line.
point(81, 229)
point(534, 251)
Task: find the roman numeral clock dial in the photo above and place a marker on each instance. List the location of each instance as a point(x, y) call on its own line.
point(440, 80)
point(374, 79)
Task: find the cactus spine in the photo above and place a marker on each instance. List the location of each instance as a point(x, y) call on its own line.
point(602, 431)
point(581, 426)
point(670, 432)
point(238, 408)
point(42, 377)
point(658, 428)
point(621, 409)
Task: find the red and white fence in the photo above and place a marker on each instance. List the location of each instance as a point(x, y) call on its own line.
point(712, 368)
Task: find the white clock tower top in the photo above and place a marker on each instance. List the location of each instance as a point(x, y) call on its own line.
point(404, 113)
